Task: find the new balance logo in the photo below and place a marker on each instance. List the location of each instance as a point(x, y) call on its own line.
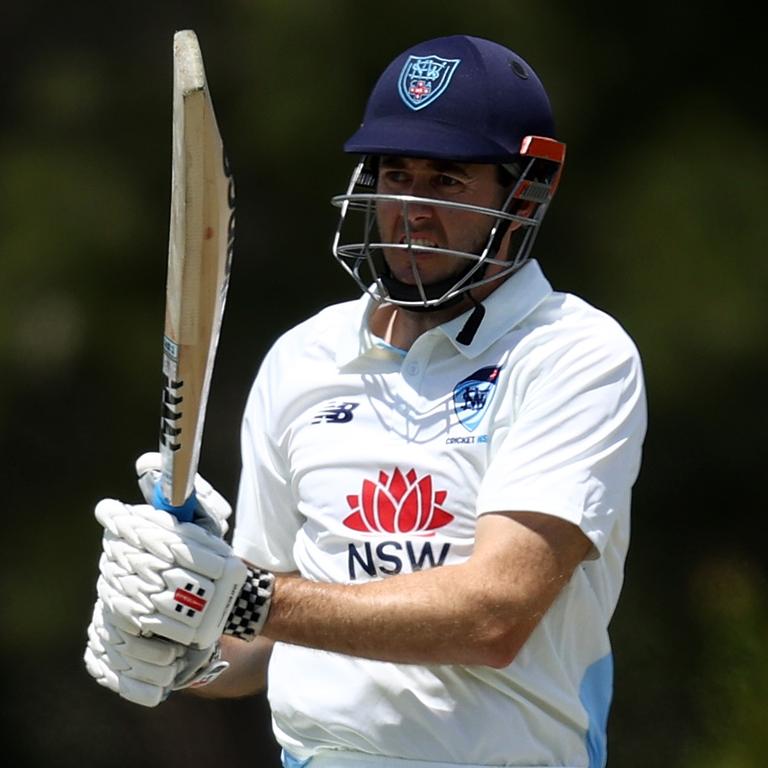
point(336, 413)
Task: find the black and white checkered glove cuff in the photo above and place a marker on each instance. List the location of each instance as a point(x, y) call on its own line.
point(250, 610)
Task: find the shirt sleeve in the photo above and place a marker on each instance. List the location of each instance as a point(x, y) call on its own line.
point(572, 447)
point(266, 517)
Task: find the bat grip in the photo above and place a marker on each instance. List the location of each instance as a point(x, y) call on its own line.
point(184, 514)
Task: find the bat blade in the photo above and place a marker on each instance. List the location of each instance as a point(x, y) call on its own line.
point(199, 260)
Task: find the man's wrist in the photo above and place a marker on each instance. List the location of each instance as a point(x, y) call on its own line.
point(249, 613)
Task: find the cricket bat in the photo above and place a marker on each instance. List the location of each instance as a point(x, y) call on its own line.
point(199, 260)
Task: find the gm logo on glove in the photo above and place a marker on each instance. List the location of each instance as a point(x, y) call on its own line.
point(185, 598)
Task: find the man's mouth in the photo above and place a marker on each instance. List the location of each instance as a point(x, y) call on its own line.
point(418, 242)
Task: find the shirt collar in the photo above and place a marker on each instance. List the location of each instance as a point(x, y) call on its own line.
point(505, 308)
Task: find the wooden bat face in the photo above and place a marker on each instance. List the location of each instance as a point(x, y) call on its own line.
point(199, 261)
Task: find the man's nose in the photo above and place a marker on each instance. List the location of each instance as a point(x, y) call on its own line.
point(418, 211)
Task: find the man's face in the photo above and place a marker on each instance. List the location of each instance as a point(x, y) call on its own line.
point(434, 225)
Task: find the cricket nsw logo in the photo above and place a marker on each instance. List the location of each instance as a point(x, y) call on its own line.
point(471, 396)
point(398, 503)
point(423, 79)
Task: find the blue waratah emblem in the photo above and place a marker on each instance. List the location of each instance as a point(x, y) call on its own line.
point(424, 78)
point(472, 395)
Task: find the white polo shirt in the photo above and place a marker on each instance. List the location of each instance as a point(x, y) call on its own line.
point(360, 461)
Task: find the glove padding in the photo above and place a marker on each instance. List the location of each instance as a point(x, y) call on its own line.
point(163, 578)
point(141, 669)
point(212, 510)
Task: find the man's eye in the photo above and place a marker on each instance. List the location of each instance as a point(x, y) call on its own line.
point(447, 181)
point(396, 177)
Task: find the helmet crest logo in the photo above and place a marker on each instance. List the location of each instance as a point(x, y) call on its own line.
point(424, 79)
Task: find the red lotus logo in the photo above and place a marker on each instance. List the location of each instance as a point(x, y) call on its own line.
point(397, 504)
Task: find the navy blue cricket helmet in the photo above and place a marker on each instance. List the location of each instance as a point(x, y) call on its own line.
point(462, 99)
point(458, 97)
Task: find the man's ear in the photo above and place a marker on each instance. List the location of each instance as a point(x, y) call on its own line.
point(520, 208)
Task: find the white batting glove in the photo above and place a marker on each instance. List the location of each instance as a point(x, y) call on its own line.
point(145, 670)
point(178, 581)
point(212, 510)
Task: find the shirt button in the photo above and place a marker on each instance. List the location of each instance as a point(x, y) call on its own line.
point(412, 369)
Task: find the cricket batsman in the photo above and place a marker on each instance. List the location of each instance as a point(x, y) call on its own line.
point(434, 507)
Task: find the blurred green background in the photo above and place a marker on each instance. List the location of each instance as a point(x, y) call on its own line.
point(659, 220)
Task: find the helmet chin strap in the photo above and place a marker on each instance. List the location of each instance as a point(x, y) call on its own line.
point(404, 292)
point(401, 291)
point(471, 326)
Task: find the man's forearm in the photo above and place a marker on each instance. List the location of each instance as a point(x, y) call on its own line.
point(428, 617)
point(478, 612)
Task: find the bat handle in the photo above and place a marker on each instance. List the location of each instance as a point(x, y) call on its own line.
point(184, 514)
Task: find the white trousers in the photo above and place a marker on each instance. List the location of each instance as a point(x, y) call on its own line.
point(339, 759)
